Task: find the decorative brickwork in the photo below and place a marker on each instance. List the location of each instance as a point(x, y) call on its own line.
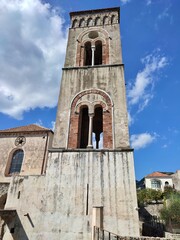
point(94, 18)
point(95, 98)
point(87, 36)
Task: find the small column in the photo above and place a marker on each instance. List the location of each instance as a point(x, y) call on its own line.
point(91, 115)
point(93, 50)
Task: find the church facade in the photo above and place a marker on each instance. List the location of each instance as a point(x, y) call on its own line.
point(87, 179)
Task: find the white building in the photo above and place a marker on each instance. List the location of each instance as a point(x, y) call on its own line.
point(158, 180)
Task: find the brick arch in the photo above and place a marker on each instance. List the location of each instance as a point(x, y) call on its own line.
point(82, 22)
point(98, 29)
point(97, 21)
point(81, 42)
point(77, 103)
point(75, 23)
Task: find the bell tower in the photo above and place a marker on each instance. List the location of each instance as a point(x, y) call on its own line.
point(91, 156)
point(92, 109)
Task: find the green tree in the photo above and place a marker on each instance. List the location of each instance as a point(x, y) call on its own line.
point(168, 191)
point(171, 210)
point(148, 195)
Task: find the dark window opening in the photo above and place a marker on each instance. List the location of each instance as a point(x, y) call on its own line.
point(90, 22)
point(82, 23)
point(166, 183)
point(88, 54)
point(98, 53)
point(98, 125)
point(16, 161)
point(74, 24)
point(83, 127)
point(113, 19)
point(12, 230)
point(97, 21)
point(105, 20)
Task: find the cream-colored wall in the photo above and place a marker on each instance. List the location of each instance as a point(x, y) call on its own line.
point(34, 149)
point(163, 180)
point(58, 203)
point(115, 52)
point(107, 78)
point(176, 180)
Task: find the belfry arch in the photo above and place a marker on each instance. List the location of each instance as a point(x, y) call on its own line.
point(98, 125)
point(97, 41)
point(97, 105)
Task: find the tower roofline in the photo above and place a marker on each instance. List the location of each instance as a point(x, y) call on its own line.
point(95, 11)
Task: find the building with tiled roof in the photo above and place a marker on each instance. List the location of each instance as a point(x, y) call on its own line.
point(158, 180)
point(29, 145)
point(27, 128)
point(157, 174)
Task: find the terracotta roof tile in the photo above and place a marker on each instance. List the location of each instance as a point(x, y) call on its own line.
point(27, 128)
point(157, 174)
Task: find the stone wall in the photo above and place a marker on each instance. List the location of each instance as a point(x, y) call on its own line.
point(171, 236)
point(35, 150)
point(60, 203)
point(75, 80)
point(176, 180)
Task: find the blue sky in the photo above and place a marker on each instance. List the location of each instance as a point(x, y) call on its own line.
point(32, 49)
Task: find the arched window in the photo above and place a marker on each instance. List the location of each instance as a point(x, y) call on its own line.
point(83, 127)
point(75, 23)
point(91, 120)
point(166, 183)
point(156, 184)
point(87, 54)
point(98, 126)
point(112, 19)
point(98, 53)
point(89, 22)
point(82, 23)
point(105, 20)
point(16, 162)
point(97, 21)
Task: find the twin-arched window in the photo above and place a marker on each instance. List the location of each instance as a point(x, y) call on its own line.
point(93, 54)
point(90, 125)
point(91, 120)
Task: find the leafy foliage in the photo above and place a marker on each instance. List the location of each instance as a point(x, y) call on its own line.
point(148, 195)
point(168, 191)
point(171, 209)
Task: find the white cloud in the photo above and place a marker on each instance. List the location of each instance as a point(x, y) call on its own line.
point(141, 91)
point(32, 49)
point(130, 119)
point(125, 1)
point(53, 125)
point(149, 2)
point(165, 146)
point(142, 140)
point(100, 141)
point(164, 14)
point(39, 123)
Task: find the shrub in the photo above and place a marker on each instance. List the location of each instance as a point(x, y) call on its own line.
point(148, 195)
point(168, 191)
point(171, 210)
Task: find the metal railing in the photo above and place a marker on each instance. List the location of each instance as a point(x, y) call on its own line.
point(101, 234)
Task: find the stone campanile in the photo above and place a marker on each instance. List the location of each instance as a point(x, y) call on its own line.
point(91, 152)
point(86, 185)
point(92, 102)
